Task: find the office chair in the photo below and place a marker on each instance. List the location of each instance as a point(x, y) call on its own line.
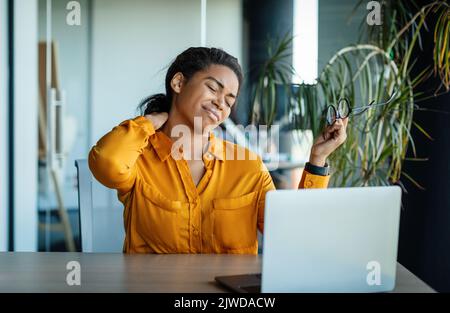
point(101, 225)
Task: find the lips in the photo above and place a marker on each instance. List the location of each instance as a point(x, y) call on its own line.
point(212, 113)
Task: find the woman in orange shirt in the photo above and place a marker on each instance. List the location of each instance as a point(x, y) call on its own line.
point(192, 194)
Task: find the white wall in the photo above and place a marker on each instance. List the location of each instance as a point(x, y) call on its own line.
point(224, 26)
point(133, 44)
point(3, 126)
point(25, 124)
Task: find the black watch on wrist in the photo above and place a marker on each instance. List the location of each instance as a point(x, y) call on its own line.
point(317, 170)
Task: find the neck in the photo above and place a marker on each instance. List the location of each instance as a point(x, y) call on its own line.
point(193, 138)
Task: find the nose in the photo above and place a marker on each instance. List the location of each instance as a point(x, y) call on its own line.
point(219, 102)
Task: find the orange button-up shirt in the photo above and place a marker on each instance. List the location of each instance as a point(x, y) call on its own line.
point(165, 212)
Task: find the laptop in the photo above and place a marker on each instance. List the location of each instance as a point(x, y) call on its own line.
point(327, 240)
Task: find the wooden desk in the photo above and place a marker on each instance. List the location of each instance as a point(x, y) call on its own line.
point(46, 272)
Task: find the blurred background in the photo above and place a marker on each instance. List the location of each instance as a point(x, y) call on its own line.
point(72, 70)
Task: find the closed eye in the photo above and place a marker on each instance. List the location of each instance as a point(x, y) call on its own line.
point(214, 91)
point(228, 103)
point(211, 88)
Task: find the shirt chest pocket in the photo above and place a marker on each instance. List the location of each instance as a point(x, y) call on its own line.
point(234, 221)
point(160, 220)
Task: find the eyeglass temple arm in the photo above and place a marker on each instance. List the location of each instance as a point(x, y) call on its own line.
point(359, 110)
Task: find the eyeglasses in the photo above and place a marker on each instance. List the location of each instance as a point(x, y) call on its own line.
point(343, 109)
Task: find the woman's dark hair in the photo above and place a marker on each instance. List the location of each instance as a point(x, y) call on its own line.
point(189, 62)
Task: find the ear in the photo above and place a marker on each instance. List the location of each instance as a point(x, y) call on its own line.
point(177, 82)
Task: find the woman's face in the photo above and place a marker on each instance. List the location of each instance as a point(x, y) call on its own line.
point(209, 94)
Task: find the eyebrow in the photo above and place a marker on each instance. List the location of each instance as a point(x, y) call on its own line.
point(220, 85)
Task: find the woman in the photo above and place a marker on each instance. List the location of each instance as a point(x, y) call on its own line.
point(207, 204)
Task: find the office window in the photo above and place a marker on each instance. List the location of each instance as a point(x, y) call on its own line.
point(305, 41)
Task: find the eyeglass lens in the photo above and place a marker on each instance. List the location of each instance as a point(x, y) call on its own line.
point(331, 115)
point(342, 111)
point(343, 108)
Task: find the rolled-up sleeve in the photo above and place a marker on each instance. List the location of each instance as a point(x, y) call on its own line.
point(310, 181)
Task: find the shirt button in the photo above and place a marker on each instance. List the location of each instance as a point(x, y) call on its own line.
point(308, 183)
point(209, 155)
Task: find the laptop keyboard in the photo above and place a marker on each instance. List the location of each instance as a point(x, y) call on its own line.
point(253, 288)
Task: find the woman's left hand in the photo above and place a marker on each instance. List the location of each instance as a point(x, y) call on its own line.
point(332, 137)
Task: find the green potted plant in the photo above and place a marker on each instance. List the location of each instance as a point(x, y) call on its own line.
point(379, 139)
point(365, 73)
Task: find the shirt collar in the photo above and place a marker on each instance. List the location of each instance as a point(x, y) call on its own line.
point(163, 146)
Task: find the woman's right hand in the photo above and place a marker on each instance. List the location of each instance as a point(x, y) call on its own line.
point(157, 119)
